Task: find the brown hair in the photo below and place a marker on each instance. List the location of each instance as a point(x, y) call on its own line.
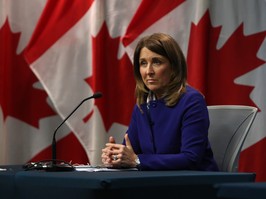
point(166, 46)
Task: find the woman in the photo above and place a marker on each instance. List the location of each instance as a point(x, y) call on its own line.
point(169, 125)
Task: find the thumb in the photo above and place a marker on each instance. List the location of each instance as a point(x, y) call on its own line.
point(128, 143)
point(111, 139)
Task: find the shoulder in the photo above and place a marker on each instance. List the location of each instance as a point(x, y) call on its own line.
point(192, 93)
point(192, 98)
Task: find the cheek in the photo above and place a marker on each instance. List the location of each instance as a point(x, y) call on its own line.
point(142, 72)
point(165, 76)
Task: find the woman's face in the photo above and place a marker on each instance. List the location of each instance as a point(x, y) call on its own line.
point(155, 71)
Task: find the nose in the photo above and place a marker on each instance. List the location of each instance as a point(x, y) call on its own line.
point(150, 70)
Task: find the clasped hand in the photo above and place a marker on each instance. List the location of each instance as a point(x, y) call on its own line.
point(118, 155)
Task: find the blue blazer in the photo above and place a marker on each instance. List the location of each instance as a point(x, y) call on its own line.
point(173, 138)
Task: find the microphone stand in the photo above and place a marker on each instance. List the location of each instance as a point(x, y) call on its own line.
point(62, 165)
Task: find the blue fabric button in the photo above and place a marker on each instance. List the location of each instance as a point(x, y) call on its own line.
point(153, 104)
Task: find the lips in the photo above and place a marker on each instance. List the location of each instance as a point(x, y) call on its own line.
point(151, 80)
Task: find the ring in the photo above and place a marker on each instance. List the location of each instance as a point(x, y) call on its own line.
point(114, 157)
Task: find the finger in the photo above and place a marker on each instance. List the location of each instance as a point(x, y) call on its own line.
point(105, 154)
point(128, 143)
point(107, 161)
point(113, 146)
point(105, 150)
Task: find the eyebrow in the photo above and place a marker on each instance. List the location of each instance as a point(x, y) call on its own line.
point(157, 57)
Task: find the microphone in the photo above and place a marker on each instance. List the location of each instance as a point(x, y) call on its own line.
point(62, 165)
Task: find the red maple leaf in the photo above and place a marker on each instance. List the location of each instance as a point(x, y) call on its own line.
point(18, 97)
point(113, 77)
point(213, 70)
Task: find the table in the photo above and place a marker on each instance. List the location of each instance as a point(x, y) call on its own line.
point(7, 185)
point(244, 190)
point(118, 184)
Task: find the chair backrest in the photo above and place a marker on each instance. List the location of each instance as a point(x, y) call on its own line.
point(229, 127)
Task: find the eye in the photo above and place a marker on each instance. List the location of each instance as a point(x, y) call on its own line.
point(142, 63)
point(156, 61)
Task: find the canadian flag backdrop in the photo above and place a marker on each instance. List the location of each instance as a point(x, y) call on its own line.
point(53, 54)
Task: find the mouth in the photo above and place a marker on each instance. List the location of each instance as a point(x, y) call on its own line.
point(151, 81)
